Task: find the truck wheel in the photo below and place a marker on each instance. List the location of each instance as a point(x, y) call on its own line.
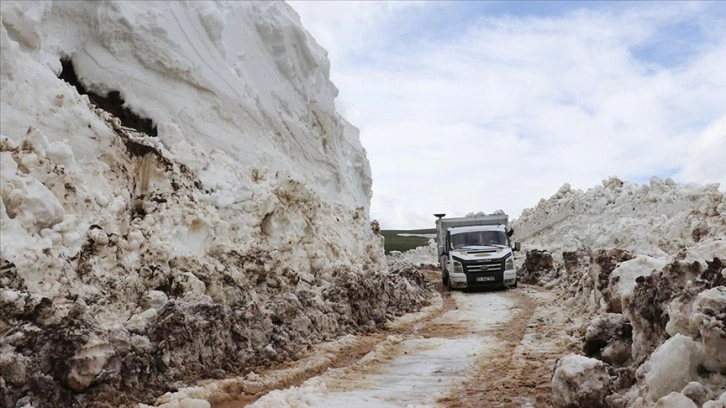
point(515, 283)
point(448, 283)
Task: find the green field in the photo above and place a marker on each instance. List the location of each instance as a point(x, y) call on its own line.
point(394, 242)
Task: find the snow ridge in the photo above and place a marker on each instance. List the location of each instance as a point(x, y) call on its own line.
point(234, 237)
point(656, 219)
point(646, 264)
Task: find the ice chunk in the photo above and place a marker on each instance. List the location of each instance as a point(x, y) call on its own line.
point(8, 166)
point(37, 140)
point(190, 285)
point(33, 204)
point(60, 153)
point(579, 381)
point(623, 277)
point(13, 366)
point(697, 392)
point(675, 400)
point(154, 299)
point(709, 314)
point(720, 403)
point(140, 322)
point(609, 337)
point(679, 314)
point(672, 366)
point(88, 362)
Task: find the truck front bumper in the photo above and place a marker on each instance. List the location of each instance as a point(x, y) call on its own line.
point(458, 280)
point(462, 281)
point(510, 278)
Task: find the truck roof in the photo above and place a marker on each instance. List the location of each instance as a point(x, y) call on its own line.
point(443, 224)
point(458, 230)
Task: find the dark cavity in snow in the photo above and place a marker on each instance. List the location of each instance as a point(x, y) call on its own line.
point(112, 103)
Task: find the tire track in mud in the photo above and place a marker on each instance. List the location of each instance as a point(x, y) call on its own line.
point(513, 371)
point(235, 393)
point(518, 372)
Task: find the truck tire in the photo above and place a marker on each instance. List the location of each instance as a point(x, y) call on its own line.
point(448, 283)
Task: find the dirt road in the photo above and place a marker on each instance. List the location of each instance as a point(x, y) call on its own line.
point(479, 349)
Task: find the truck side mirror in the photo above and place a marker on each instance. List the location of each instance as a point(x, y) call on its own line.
point(517, 246)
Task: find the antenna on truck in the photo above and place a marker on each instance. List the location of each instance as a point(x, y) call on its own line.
point(439, 216)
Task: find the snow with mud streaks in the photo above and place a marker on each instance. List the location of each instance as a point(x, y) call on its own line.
point(179, 200)
point(181, 207)
point(646, 265)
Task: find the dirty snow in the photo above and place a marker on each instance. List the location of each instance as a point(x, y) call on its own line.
point(645, 264)
point(502, 341)
point(402, 369)
point(423, 256)
point(579, 381)
point(191, 206)
point(433, 365)
point(179, 200)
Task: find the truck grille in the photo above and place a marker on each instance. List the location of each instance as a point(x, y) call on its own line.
point(484, 266)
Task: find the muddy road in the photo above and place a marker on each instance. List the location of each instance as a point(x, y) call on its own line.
point(466, 349)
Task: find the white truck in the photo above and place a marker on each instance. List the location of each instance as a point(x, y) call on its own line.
point(475, 251)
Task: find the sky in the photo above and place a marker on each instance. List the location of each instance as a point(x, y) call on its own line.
point(478, 106)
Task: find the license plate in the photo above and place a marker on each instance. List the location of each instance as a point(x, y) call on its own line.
point(484, 278)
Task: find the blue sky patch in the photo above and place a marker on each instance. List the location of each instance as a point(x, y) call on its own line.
point(662, 173)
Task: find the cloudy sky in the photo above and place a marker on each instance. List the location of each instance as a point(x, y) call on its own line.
point(479, 106)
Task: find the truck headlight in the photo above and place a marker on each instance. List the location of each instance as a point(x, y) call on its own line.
point(458, 267)
point(509, 265)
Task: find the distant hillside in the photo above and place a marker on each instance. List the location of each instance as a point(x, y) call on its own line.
point(400, 240)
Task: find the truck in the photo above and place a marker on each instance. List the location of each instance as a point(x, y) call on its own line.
point(475, 251)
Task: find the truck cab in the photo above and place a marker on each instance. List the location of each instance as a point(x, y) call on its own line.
point(476, 252)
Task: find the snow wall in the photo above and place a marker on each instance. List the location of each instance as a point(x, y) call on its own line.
point(179, 200)
point(645, 265)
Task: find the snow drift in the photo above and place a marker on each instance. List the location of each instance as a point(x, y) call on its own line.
point(420, 257)
point(647, 264)
point(179, 200)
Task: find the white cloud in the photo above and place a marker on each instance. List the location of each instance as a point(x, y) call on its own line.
point(705, 156)
point(502, 111)
point(347, 28)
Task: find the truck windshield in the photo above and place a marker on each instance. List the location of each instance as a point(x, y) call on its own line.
point(478, 238)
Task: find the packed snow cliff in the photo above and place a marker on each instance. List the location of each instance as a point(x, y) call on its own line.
point(646, 266)
point(179, 200)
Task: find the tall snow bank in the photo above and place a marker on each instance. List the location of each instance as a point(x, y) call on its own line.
point(656, 219)
point(179, 199)
point(646, 264)
point(243, 79)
